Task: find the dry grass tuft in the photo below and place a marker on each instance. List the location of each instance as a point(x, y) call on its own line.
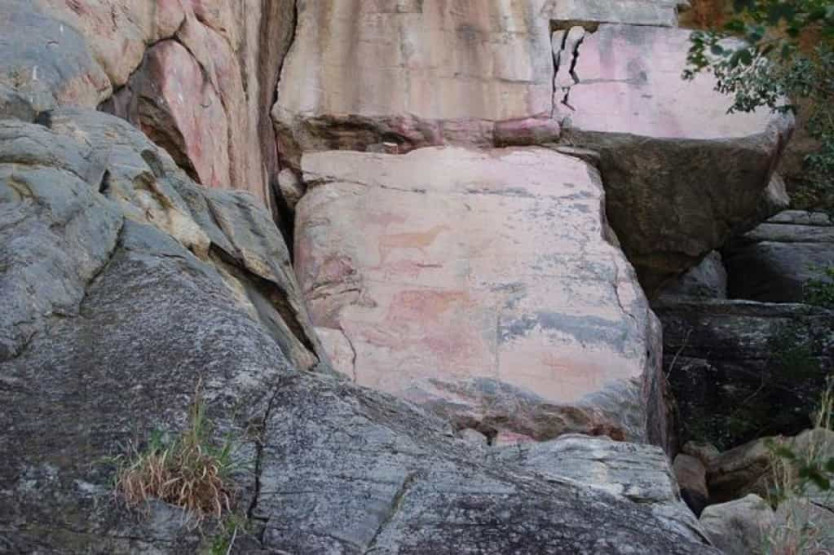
point(798, 533)
point(187, 472)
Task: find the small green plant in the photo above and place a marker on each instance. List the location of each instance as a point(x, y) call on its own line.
point(820, 291)
point(230, 528)
point(188, 471)
point(792, 349)
point(784, 61)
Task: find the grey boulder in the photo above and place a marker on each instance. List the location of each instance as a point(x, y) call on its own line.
point(774, 261)
point(730, 362)
point(739, 527)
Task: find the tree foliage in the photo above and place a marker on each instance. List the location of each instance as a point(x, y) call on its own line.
point(778, 54)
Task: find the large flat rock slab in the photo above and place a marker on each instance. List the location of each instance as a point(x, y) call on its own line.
point(480, 284)
point(681, 174)
point(417, 71)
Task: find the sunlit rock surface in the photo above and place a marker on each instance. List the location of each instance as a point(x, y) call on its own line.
point(482, 284)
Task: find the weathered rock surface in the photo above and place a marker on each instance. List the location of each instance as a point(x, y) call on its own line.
point(116, 32)
point(681, 175)
point(480, 284)
point(349, 470)
point(135, 285)
point(72, 181)
point(202, 91)
point(431, 72)
point(413, 72)
point(199, 78)
point(691, 475)
point(749, 526)
point(490, 73)
point(803, 522)
point(774, 261)
point(739, 527)
point(638, 472)
point(704, 452)
point(174, 103)
point(742, 470)
point(729, 362)
point(45, 63)
point(707, 280)
point(205, 93)
point(628, 12)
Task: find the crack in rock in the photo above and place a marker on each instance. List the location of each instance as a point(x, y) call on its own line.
point(260, 443)
point(558, 37)
point(396, 504)
point(565, 60)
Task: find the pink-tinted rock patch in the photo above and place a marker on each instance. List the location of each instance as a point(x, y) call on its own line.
point(479, 284)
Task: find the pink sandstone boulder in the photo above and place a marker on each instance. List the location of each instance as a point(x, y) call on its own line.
point(482, 285)
point(180, 110)
point(681, 174)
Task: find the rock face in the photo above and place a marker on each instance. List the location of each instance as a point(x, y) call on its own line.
point(479, 73)
point(746, 469)
point(773, 262)
point(196, 131)
point(804, 522)
point(749, 525)
point(662, 13)
point(670, 153)
point(481, 281)
point(44, 63)
point(729, 362)
point(416, 73)
point(638, 472)
point(83, 174)
point(429, 72)
point(124, 285)
point(691, 476)
point(398, 486)
point(490, 73)
point(739, 527)
point(202, 91)
point(707, 280)
point(199, 78)
point(480, 284)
